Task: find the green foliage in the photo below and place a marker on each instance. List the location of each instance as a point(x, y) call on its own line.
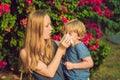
point(99, 55)
point(114, 22)
point(5, 1)
point(7, 21)
point(110, 69)
point(1, 57)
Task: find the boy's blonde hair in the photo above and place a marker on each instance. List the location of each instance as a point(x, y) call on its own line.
point(75, 26)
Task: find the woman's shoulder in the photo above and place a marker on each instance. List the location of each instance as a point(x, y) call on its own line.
point(55, 42)
point(22, 53)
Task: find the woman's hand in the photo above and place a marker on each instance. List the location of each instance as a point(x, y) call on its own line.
point(65, 42)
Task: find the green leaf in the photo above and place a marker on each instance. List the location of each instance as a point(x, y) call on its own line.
point(21, 42)
point(13, 42)
point(1, 57)
point(57, 4)
point(20, 34)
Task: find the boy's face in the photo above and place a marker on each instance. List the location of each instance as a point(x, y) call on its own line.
point(74, 36)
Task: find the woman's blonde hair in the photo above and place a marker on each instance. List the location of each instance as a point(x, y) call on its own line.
point(75, 26)
point(35, 44)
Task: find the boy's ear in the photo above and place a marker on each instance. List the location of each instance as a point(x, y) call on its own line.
point(78, 38)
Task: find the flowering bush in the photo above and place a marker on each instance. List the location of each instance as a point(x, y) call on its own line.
point(99, 16)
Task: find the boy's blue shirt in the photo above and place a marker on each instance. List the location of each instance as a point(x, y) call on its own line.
point(75, 54)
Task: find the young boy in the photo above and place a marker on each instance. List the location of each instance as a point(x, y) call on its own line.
point(78, 60)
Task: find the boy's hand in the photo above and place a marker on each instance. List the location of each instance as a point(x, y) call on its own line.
point(69, 65)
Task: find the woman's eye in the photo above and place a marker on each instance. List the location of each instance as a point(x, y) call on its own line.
point(47, 26)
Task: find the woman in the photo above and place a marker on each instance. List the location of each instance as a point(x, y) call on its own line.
point(40, 55)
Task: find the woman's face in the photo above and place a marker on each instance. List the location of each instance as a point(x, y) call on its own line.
point(47, 27)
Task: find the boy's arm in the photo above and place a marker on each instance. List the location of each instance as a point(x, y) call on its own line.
point(87, 62)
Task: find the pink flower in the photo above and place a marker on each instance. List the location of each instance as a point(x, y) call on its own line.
point(1, 9)
point(99, 33)
point(98, 36)
point(88, 23)
point(92, 47)
point(97, 44)
point(97, 9)
point(29, 1)
point(57, 37)
point(6, 7)
point(51, 3)
point(91, 2)
point(2, 64)
point(24, 22)
point(107, 13)
point(98, 2)
point(90, 36)
point(87, 38)
point(80, 3)
point(60, 12)
point(0, 12)
point(8, 29)
point(91, 25)
point(98, 30)
point(64, 8)
point(65, 20)
point(85, 41)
